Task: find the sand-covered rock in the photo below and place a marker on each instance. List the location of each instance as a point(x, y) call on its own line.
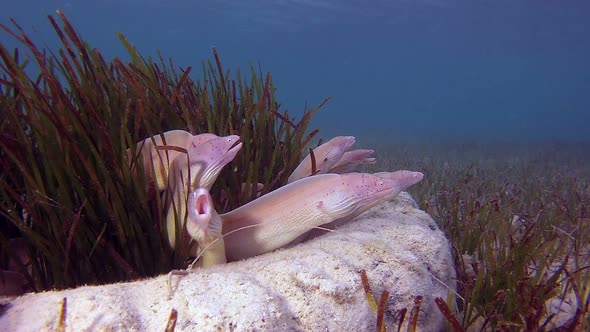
point(312, 286)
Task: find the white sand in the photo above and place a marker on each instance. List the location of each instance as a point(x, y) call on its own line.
point(312, 286)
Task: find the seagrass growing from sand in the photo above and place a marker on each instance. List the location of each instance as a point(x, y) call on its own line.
point(67, 193)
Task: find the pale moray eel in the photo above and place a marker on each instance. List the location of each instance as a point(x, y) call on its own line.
point(203, 224)
point(286, 213)
point(198, 168)
point(402, 180)
point(326, 156)
point(351, 159)
point(156, 163)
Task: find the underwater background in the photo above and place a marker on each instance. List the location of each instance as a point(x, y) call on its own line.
point(426, 70)
point(488, 99)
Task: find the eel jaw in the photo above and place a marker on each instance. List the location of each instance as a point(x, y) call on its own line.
point(204, 226)
point(411, 179)
point(403, 178)
point(233, 150)
point(211, 172)
point(347, 142)
point(200, 215)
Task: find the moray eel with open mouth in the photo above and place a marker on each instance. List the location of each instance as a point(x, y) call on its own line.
point(204, 225)
point(198, 168)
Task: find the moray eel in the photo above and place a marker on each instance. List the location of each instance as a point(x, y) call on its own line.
point(198, 168)
point(402, 180)
point(351, 159)
point(203, 224)
point(288, 212)
point(156, 163)
point(325, 155)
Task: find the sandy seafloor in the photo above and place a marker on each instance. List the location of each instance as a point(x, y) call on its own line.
point(550, 162)
point(565, 157)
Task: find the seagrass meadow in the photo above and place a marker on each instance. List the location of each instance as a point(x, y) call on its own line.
point(68, 197)
point(71, 213)
point(517, 218)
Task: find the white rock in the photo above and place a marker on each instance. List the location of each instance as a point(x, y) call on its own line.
point(312, 286)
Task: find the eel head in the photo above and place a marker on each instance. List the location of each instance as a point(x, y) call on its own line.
point(203, 222)
point(403, 179)
point(356, 191)
point(204, 226)
point(325, 155)
point(220, 152)
point(204, 160)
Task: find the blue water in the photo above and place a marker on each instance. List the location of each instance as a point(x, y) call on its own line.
point(406, 69)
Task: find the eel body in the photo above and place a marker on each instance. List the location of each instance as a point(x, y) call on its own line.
point(402, 180)
point(325, 155)
point(286, 213)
